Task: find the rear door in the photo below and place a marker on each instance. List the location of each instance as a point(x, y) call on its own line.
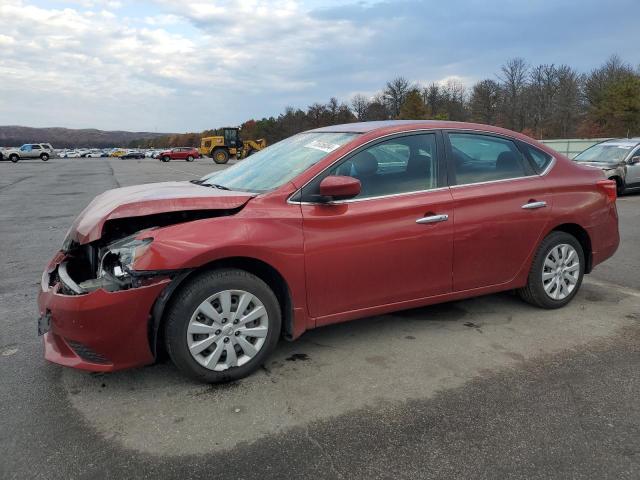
point(392, 243)
point(501, 208)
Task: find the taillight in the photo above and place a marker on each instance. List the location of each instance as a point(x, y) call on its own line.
point(610, 189)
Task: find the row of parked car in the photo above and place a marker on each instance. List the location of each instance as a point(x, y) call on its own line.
point(45, 151)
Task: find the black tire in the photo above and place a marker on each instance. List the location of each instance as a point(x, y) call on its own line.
point(191, 295)
point(44, 157)
point(166, 159)
point(620, 187)
point(14, 158)
point(190, 158)
point(220, 156)
point(251, 152)
point(534, 292)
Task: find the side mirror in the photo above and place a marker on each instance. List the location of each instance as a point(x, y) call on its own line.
point(634, 160)
point(337, 187)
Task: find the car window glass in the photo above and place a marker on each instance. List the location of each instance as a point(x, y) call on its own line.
point(398, 165)
point(483, 158)
point(540, 158)
point(36, 147)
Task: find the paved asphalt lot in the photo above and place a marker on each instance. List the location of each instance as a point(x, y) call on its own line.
point(481, 388)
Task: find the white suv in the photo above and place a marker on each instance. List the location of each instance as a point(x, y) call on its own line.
point(42, 151)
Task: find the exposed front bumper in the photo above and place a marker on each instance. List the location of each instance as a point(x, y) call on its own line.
point(99, 331)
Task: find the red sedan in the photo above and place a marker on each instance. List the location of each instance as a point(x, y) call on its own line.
point(179, 153)
point(327, 226)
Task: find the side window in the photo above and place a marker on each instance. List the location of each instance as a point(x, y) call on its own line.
point(399, 165)
point(484, 158)
point(37, 147)
point(539, 158)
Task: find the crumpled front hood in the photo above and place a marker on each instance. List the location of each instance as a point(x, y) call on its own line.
point(150, 199)
point(601, 165)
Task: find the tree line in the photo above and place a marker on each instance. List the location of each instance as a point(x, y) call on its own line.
point(542, 101)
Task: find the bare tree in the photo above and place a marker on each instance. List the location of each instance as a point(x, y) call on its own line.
point(395, 94)
point(484, 101)
point(359, 105)
point(513, 78)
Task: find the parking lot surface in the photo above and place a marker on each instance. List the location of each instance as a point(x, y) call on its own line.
point(482, 388)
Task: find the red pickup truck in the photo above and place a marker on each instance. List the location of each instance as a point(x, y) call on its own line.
point(180, 153)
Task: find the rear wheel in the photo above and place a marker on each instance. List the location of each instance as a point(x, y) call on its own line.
point(14, 158)
point(222, 325)
point(556, 272)
point(220, 156)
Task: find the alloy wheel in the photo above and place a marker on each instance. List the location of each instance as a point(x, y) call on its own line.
point(561, 271)
point(227, 330)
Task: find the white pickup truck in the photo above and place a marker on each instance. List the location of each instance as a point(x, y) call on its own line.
point(43, 151)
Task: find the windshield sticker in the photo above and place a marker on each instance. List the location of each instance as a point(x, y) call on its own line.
point(322, 146)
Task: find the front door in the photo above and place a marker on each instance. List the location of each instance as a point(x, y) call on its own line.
point(501, 209)
point(633, 169)
point(393, 242)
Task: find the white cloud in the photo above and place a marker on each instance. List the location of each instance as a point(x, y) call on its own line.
point(6, 40)
point(219, 52)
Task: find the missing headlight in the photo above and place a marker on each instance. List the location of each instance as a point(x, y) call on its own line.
point(117, 258)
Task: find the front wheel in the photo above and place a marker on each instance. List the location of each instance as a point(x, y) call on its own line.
point(222, 325)
point(220, 156)
point(190, 158)
point(44, 157)
point(14, 158)
point(556, 272)
point(166, 159)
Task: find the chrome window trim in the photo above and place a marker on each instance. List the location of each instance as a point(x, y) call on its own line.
point(430, 129)
point(377, 197)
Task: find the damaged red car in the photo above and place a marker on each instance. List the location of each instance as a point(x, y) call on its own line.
point(326, 226)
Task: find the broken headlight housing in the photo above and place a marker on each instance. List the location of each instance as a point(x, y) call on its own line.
point(117, 258)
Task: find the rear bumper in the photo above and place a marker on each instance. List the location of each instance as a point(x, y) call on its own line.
point(605, 237)
point(99, 331)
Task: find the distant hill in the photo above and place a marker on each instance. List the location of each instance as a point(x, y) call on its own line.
point(11, 136)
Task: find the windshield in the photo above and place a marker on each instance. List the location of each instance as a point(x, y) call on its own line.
point(279, 163)
point(605, 153)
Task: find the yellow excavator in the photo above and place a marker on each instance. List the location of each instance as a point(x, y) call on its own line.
point(229, 144)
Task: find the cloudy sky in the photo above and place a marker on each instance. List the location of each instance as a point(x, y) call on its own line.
point(188, 65)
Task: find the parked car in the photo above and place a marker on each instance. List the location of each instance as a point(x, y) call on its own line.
point(619, 159)
point(94, 154)
point(180, 153)
point(132, 155)
point(326, 226)
point(43, 151)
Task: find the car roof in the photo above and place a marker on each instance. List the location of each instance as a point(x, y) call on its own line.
point(396, 125)
point(622, 142)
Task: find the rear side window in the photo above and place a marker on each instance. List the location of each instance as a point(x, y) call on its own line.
point(483, 158)
point(540, 159)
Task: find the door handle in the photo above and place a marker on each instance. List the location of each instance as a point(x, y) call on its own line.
point(534, 205)
point(433, 219)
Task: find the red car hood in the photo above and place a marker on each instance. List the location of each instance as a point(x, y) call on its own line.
point(149, 199)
